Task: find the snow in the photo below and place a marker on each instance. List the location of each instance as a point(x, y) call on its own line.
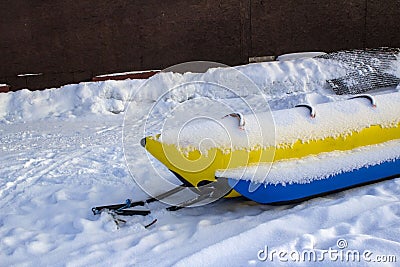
point(299, 55)
point(125, 73)
point(62, 152)
point(291, 125)
point(303, 170)
point(29, 74)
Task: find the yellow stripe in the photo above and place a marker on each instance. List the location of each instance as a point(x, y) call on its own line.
point(195, 167)
point(372, 135)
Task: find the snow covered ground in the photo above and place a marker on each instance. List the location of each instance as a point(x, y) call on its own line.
point(62, 152)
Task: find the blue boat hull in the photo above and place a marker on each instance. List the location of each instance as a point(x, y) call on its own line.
point(281, 194)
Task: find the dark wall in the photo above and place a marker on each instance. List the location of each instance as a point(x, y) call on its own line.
point(382, 25)
point(286, 26)
point(71, 41)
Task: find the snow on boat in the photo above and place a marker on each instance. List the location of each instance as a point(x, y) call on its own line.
point(331, 131)
point(301, 179)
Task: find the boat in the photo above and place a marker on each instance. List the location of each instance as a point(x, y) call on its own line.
point(327, 130)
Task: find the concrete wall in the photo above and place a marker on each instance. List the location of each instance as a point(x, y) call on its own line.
point(72, 41)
